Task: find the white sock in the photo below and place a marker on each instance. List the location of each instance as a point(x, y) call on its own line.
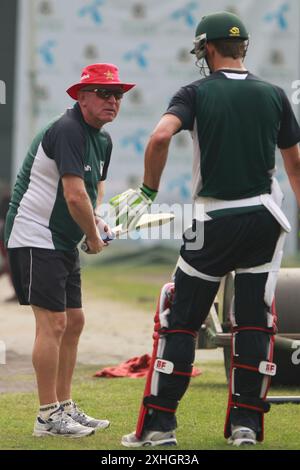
point(67, 405)
point(46, 410)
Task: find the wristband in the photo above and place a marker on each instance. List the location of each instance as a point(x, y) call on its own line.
point(150, 193)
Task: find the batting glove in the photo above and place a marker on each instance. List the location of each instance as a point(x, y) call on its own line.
point(128, 207)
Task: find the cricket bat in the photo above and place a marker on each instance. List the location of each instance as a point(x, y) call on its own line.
point(145, 221)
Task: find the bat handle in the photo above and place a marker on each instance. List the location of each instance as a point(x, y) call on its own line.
point(107, 238)
point(84, 246)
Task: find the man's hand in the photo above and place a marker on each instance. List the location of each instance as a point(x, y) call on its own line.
point(93, 246)
point(129, 206)
point(104, 230)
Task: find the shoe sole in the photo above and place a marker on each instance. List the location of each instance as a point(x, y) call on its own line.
point(163, 442)
point(101, 427)
point(70, 436)
point(241, 442)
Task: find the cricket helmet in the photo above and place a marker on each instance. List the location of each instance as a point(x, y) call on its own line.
point(221, 25)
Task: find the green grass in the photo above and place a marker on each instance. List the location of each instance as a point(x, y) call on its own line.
point(200, 416)
point(130, 282)
point(202, 411)
point(134, 285)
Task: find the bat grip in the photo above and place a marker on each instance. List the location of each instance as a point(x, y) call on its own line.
point(107, 238)
point(84, 246)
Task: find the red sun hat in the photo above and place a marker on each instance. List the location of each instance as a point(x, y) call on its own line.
point(99, 74)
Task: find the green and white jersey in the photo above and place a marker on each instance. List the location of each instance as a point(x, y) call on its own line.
point(236, 121)
point(38, 215)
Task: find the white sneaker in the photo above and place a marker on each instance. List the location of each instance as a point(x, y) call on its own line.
point(150, 439)
point(82, 418)
point(60, 424)
point(240, 435)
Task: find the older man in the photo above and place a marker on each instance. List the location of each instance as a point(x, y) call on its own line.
point(52, 208)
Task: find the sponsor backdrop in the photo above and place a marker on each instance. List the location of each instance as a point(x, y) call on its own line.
point(150, 43)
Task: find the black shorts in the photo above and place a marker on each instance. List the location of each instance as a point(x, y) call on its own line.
point(230, 243)
point(234, 241)
point(49, 279)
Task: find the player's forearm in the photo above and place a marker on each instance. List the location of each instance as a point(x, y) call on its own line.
point(295, 184)
point(291, 159)
point(155, 159)
point(81, 211)
point(101, 187)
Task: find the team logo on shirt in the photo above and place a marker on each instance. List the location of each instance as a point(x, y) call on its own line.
point(235, 31)
point(87, 168)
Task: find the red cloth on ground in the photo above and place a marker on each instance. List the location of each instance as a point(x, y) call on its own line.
point(135, 367)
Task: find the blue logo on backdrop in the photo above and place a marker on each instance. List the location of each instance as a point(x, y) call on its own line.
point(92, 10)
point(279, 16)
point(186, 14)
point(46, 52)
point(136, 140)
point(181, 186)
point(138, 55)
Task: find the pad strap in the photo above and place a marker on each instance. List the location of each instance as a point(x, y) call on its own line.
point(251, 403)
point(175, 368)
point(167, 331)
point(160, 403)
point(270, 330)
point(251, 363)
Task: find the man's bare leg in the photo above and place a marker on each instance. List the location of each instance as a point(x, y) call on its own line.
point(50, 327)
point(67, 360)
point(68, 352)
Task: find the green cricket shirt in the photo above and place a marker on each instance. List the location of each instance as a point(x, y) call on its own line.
point(38, 215)
point(236, 120)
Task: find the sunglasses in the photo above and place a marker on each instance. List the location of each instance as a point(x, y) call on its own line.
point(105, 93)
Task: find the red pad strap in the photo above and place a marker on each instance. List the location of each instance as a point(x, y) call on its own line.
point(173, 368)
point(166, 331)
point(270, 331)
point(252, 403)
point(162, 404)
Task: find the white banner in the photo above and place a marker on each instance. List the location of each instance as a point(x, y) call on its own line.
point(150, 43)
